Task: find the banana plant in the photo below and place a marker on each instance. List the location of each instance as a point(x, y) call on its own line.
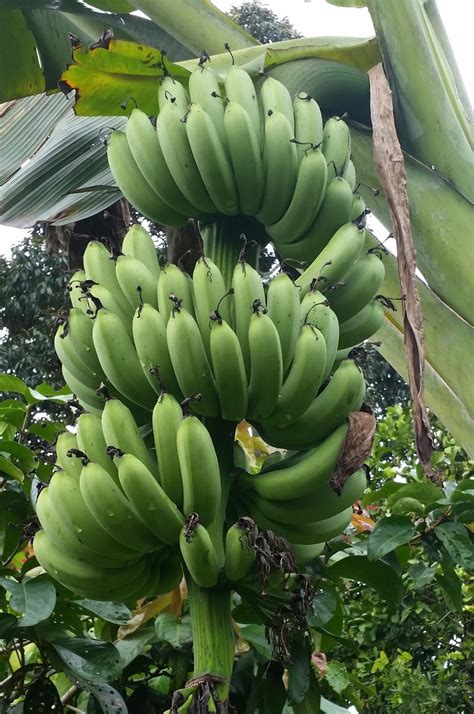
point(334, 70)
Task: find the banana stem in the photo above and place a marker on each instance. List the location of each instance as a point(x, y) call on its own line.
point(213, 636)
point(227, 237)
point(210, 608)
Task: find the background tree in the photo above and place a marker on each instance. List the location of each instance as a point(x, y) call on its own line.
point(262, 22)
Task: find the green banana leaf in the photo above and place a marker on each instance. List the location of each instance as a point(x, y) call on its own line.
point(442, 221)
point(431, 118)
point(446, 404)
point(67, 176)
point(448, 339)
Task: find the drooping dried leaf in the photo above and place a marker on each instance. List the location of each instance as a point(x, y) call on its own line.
point(390, 165)
point(355, 449)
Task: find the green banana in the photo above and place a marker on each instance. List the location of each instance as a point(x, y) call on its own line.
point(283, 305)
point(358, 210)
point(76, 294)
point(149, 501)
point(240, 554)
point(149, 335)
point(199, 470)
point(204, 90)
point(211, 159)
point(113, 510)
point(306, 200)
point(275, 97)
point(209, 289)
point(173, 138)
point(305, 476)
point(138, 284)
point(240, 89)
point(229, 371)
point(138, 243)
point(335, 259)
point(174, 282)
point(99, 265)
point(134, 185)
point(308, 123)
point(79, 328)
point(63, 538)
point(246, 158)
point(100, 297)
point(167, 416)
point(172, 92)
point(119, 359)
point(358, 286)
point(120, 431)
point(305, 533)
point(280, 168)
point(316, 311)
point(247, 286)
point(362, 326)
point(304, 378)
point(91, 442)
point(70, 462)
point(146, 150)
point(306, 553)
point(87, 397)
point(266, 366)
point(323, 503)
point(343, 394)
point(171, 573)
point(78, 576)
point(190, 362)
point(336, 146)
point(350, 175)
point(199, 555)
point(67, 501)
point(71, 359)
point(335, 211)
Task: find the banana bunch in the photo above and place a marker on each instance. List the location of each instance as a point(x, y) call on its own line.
point(226, 148)
point(137, 330)
point(114, 512)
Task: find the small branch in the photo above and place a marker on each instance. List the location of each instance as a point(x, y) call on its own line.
point(67, 696)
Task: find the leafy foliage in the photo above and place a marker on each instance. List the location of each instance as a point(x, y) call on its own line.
point(262, 22)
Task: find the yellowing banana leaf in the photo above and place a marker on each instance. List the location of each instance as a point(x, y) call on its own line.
point(28, 27)
point(115, 78)
point(442, 225)
point(447, 406)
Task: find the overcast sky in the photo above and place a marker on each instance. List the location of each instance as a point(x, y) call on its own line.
point(317, 17)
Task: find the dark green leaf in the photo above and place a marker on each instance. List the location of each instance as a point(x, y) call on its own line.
point(132, 646)
point(10, 383)
point(175, 630)
point(20, 452)
point(7, 468)
point(47, 430)
point(452, 589)
point(270, 688)
point(109, 699)
point(21, 71)
point(422, 574)
point(330, 708)
point(255, 634)
point(42, 696)
point(389, 533)
point(337, 676)
point(91, 660)
point(115, 612)
point(455, 538)
point(34, 598)
point(312, 700)
point(380, 576)
point(325, 605)
point(7, 622)
point(426, 492)
point(299, 671)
